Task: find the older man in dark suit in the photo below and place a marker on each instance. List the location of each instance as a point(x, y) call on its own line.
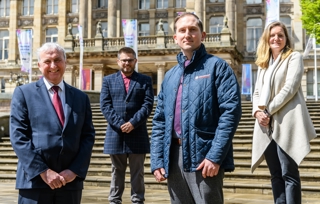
point(126, 102)
point(52, 134)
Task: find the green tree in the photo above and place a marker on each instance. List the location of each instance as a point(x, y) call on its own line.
point(311, 17)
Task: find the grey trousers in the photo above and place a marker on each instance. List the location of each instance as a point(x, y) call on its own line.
point(119, 165)
point(191, 187)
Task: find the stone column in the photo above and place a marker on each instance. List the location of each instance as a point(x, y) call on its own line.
point(90, 25)
point(152, 21)
point(98, 76)
point(38, 38)
point(297, 26)
point(68, 75)
point(83, 16)
point(161, 68)
point(171, 17)
point(190, 5)
point(13, 23)
point(230, 13)
point(62, 22)
point(112, 18)
point(198, 8)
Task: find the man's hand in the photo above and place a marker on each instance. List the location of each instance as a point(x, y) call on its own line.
point(68, 175)
point(159, 174)
point(127, 127)
point(53, 179)
point(209, 168)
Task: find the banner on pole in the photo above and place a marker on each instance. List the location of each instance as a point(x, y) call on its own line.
point(25, 49)
point(87, 74)
point(246, 88)
point(130, 33)
point(272, 11)
point(308, 46)
point(81, 80)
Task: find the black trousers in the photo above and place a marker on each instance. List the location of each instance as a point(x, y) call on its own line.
point(48, 196)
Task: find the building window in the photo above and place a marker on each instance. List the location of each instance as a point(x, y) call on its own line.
point(104, 29)
point(216, 24)
point(162, 4)
point(28, 7)
point(180, 3)
point(287, 21)
point(75, 6)
point(254, 1)
point(254, 31)
point(103, 4)
point(52, 6)
point(75, 32)
point(4, 7)
point(144, 29)
point(165, 27)
point(52, 35)
point(285, 1)
point(144, 4)
point(310, 81)
point(215, 1)
point(4, 44)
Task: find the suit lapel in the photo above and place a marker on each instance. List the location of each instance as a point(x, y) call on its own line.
point(120, 82)
point(43, 91)
point(69, 103)
point(133, 81)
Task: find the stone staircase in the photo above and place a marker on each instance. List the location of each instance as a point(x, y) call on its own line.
point(239, 181)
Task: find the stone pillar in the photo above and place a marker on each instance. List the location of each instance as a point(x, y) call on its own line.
point(230, 13)
point(83, 16)
point(171, 17)
point(161, 68)
point(62, 22)
point(13, 23)
point(112, 18)
point(152, 21)
point(39, 6)
point(98, 76)
point(297, 26)
point(190, 5)
point(89, 17)
point(68, 75)
point(198, 9)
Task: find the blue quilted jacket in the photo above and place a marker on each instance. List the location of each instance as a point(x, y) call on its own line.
point(211, 110)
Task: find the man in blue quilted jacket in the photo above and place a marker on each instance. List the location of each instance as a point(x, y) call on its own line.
point(197, 114)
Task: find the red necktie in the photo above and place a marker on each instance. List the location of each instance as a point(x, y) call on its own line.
point(57, 104)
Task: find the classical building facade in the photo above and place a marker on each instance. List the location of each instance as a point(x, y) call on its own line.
point(233, 29)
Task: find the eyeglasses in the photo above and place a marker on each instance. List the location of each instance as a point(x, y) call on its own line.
point(126, 60)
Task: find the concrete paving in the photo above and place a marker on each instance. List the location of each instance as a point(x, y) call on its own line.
point(99, 195)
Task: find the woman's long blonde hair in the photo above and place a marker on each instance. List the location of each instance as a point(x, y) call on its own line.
point(264, 52)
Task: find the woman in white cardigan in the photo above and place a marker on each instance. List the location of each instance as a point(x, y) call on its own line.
point(283, 127)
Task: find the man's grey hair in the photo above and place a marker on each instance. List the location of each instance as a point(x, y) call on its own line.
point(51, 46)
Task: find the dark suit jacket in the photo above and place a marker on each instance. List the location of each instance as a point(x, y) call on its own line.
point(40, 141)
point(118, 107)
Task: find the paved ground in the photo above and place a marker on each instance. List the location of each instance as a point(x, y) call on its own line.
point(99, 195)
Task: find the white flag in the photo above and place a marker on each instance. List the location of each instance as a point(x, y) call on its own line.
point(308, 46)
point(25, 49)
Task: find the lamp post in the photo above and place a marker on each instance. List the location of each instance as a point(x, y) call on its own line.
point(315, 63)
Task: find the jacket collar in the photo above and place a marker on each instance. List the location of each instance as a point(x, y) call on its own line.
point(196, 56)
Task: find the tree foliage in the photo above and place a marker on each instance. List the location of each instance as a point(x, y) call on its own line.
point(311, 17)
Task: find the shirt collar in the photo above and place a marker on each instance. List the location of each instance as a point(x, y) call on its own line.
point(49, 84)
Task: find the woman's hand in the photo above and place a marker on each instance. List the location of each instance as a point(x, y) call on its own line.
point(262, 118)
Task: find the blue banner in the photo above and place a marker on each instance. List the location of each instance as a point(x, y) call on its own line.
point(246, 88)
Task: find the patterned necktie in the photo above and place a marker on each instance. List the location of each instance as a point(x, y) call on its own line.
point(57, 104)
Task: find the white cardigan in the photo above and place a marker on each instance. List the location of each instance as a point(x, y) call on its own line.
point(292, 125)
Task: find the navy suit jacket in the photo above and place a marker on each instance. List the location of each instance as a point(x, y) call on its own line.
point(119, 107)
point(40, 141)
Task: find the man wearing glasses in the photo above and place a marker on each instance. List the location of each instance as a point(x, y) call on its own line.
point(126, 102)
